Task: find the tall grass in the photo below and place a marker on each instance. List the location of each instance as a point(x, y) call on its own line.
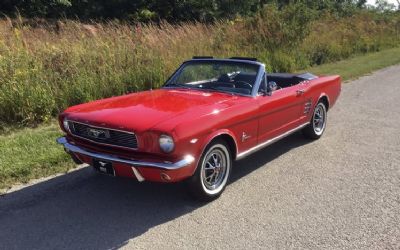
point(45, 67)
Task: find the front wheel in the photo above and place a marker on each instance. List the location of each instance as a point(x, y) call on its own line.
point(212, 173)
point(317, 125)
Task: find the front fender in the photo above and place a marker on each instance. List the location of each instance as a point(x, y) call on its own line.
point(206, 140)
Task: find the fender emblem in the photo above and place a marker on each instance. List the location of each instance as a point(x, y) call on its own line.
point(245, 136)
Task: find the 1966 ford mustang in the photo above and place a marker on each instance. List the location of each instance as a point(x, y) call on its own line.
point(209, 113)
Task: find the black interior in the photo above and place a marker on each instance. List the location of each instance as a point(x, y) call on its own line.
point(284, 80)
point(241, 83)
point(245, 77)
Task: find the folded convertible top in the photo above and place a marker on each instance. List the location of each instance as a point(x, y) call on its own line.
point(303, 76)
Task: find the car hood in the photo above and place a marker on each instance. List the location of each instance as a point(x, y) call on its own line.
point(144, 110)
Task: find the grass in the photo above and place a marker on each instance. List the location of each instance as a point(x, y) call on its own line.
point(360, 65)
point(33, 153)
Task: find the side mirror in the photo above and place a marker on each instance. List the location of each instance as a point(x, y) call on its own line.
point(270, 86)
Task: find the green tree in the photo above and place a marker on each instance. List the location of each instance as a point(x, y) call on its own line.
point(171, 10)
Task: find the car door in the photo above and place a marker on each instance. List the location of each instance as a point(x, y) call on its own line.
point(280, 112)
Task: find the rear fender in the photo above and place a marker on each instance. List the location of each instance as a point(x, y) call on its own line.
point(323, 94)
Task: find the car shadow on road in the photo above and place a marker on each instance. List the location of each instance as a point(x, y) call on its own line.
point(262, 157)
point(86, 210)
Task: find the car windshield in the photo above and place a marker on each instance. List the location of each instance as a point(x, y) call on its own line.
point(224, 76)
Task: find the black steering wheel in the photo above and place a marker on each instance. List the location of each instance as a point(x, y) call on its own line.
point(243, 85)
point(226, 84)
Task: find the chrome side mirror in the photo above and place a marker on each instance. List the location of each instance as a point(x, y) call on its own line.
point(271, 86)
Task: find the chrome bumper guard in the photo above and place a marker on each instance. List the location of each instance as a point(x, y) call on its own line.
point(70, 148)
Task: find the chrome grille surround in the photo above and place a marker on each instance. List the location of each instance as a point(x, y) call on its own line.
point(104, 136)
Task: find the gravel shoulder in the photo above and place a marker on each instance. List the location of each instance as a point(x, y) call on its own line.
point(342, 191)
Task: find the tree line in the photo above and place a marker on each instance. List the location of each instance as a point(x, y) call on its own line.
point(170, 10)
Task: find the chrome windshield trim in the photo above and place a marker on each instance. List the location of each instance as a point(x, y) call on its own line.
point(269, 142)
point(225, 60)
point(187, 160)
point(253, 93)
point(258, 81)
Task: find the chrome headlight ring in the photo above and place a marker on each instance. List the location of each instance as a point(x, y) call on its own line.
point(167, 144)
point(66, 125)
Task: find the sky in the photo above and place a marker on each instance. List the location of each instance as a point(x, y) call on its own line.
point(372, 2)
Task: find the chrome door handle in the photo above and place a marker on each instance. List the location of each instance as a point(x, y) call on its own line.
point(300, 91)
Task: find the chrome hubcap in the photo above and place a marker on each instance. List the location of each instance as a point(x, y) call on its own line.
point(319, 119)
point(214, 169)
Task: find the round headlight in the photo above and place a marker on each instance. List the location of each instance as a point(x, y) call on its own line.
point(66, 125)
point(166, 143)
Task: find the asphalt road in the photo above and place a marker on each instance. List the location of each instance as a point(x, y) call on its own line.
point(340, 192)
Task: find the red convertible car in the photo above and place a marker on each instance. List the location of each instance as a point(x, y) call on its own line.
point(209, 113)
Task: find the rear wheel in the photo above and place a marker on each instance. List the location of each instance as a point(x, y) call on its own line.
point(212, 173)
point(317, 125)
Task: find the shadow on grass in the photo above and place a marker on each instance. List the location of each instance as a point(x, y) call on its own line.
point(85, 210)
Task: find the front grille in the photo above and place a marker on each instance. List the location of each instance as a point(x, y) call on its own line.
point(103, 135)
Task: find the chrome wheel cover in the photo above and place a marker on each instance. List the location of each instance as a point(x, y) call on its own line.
point(319, 119)
point(215, 169)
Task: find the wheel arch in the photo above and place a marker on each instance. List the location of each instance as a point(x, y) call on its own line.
point(232, 146)
point(325, 99)
point(225, 135)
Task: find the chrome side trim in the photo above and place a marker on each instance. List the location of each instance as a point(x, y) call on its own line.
point(269, 142)
point(188, 159)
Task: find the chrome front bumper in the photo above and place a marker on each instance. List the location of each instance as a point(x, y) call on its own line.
point(70, 148)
